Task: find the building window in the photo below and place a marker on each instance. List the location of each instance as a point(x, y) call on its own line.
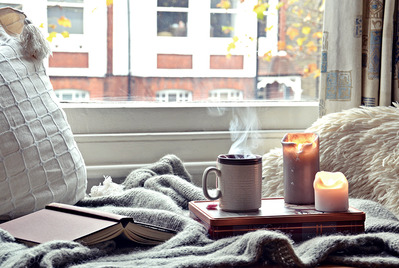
point(262, 27)
point(172, 17)
point(72, 94)
point(222, 19)
point(225, 95)
point(174, 95)
point(65, 16)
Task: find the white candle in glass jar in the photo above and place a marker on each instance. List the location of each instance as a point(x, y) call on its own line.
point(331, 192)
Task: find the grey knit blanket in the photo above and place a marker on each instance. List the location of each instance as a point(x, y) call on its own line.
point(159, 194)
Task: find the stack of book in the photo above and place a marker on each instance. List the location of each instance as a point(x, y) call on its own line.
point(300, 222)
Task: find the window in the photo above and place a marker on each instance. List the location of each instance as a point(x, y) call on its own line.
point(174, 95)
point(222, 20)
point(72, 95)
point(225, 95)
point(136, 107)
point(65, 16)
point(198, 46)
point(172, 17)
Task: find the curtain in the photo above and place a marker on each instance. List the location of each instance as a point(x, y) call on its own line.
point(359, 55)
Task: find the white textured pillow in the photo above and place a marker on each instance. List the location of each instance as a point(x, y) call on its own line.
point(39, 159)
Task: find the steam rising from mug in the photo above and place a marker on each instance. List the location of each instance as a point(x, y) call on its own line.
point(243, 131)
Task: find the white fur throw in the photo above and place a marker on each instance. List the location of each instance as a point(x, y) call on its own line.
point(362, 143)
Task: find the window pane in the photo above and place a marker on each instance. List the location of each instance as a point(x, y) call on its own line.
point(172, 23)
point(262, 27)
point(57, 14)
point(173, 3)
point(67, 96)
point(270, 54)
point(224, 3)
point(172, 97)
point(222, 25)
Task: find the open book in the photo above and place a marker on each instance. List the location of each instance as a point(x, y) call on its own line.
point(87, 226)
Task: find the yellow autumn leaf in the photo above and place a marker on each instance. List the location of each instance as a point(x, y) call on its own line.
point(292, 33)
point(306, 30)
point(298, 12)
point(268, 28)
point(317, 35)
point(224, 4)
point(300, 41)
point(317, 73)
point(110, 2)
point(227, 29)
point(51, 36)
point(311, 46)
point(41, 25)
point(281, 45)
point(279, 5)
point(52, 26)
point(63, 21)
point(267, 56)
point(260, 9)
point(65, 34)
point(231, 46)
point(290, 48)
point(312, 67)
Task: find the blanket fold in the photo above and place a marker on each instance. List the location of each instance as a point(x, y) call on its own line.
point(159, 194)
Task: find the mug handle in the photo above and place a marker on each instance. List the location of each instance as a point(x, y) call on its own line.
point(205, 183)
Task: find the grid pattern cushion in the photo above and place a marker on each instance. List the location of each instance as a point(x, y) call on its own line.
point(39, 159)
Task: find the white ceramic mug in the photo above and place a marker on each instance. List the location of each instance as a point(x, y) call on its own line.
point(239, 182)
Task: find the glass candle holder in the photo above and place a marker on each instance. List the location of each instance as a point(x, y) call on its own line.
point(300, 165)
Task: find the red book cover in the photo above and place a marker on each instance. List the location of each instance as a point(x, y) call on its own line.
point(301, 222)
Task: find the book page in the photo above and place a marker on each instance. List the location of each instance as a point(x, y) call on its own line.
point(147, 234)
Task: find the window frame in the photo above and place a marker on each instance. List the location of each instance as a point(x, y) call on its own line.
point(84, 95)
point(74, 41)
point(187, 95)
point(117, 137)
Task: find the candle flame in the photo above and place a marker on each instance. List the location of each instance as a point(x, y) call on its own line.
point(331, 180)
point(302, 139)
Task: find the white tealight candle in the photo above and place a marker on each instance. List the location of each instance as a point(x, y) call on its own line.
point(331, 191)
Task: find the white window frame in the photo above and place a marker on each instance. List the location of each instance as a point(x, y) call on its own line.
point(83, 95)
point(75, 42)
point(117, 137)
point(232, 11)
point(174, 10)
point(232, 94)
point(92, 41)
point(182, 95)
